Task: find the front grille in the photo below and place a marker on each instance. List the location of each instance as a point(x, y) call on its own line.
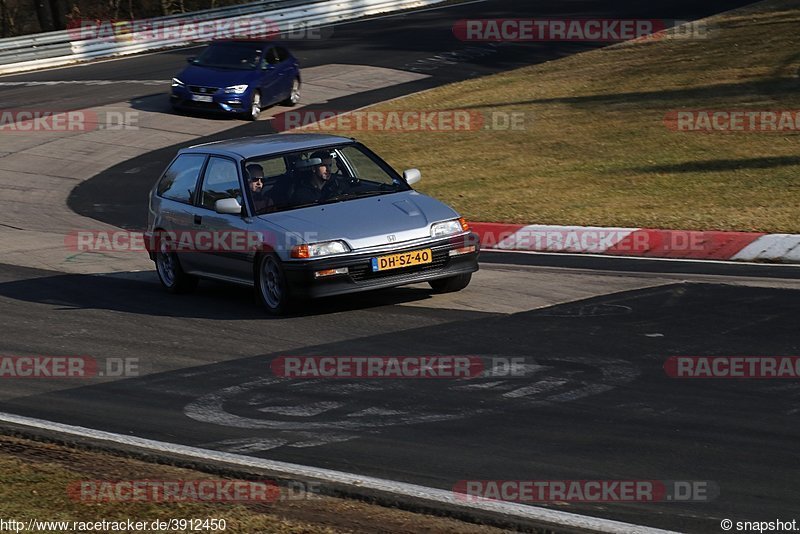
point(363, 271)
point(200, 90)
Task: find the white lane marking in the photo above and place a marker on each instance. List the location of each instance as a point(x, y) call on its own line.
point(283, 406)
point(413, 491)
point(261, 444)
point(246, 445)
point(375, 411)
point(539, 387)
point(302, 410)
point(593, 389)
point(483, 385)
point(82, 82)
point(211, 409)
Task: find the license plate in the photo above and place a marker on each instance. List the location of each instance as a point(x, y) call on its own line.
point(404, 259)
point(202, 98)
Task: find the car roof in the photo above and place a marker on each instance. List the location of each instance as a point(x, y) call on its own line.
point(262, 145)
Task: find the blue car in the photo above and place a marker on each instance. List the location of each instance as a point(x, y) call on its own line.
point(237, 77)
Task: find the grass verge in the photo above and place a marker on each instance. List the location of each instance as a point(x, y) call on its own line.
point(598, 152)
point(35, 477)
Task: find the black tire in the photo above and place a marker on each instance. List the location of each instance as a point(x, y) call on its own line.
point(294, 95)
point(271, 285)
point(255, 107)
point(452, 284)
point(170, 272)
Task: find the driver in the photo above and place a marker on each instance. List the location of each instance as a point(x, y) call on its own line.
point(328, 159)
point(317, 183)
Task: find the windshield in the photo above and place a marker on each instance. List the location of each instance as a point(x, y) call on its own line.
point(320, 176)
point(244, 56)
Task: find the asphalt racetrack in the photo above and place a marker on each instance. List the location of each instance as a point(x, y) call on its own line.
point(594, 401)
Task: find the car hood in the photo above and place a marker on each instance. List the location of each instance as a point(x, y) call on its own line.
point(366, 222)
point(214, 77)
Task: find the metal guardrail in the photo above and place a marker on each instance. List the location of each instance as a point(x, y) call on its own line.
point(10, 44)
point(52, 49)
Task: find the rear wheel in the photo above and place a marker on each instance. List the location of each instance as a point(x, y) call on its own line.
point(271, 286)
point(170, 272)
point(452, 284)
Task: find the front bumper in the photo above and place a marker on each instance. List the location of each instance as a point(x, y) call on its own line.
point(360, 277)
point(221, 102)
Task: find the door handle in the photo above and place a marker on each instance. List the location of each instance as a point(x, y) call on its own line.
point(198, 219)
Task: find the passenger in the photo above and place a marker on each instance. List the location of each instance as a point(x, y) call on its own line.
point(255, 181)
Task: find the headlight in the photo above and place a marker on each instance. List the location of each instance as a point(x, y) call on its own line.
point(236, 89)
point(177, 83)
point(456, 226)
point(316, 250)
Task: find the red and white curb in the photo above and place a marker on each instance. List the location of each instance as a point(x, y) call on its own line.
point(642, 242)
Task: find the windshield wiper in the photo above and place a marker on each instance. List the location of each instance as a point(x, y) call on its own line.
point(349, 196)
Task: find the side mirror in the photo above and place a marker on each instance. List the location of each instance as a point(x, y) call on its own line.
point(190, 59)
point(412, 176)
point(228, 206)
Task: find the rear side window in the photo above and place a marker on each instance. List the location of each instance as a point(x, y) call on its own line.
point(221, 181)
point(273, 167)
point(282, 53)
point(180, 180)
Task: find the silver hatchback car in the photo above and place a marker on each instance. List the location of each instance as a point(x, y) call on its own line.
point(301, 216)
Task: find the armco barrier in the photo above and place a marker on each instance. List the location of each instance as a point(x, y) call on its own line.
point(53, 49)
point(58, 43)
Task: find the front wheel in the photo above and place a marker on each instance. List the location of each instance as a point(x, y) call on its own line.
point(294, 95)
point(255, 106)
point(452, 284)
point(170, 272)
point(271, 285)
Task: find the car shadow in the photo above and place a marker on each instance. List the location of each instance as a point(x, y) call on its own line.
point(141, 293)
point(159, 103)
